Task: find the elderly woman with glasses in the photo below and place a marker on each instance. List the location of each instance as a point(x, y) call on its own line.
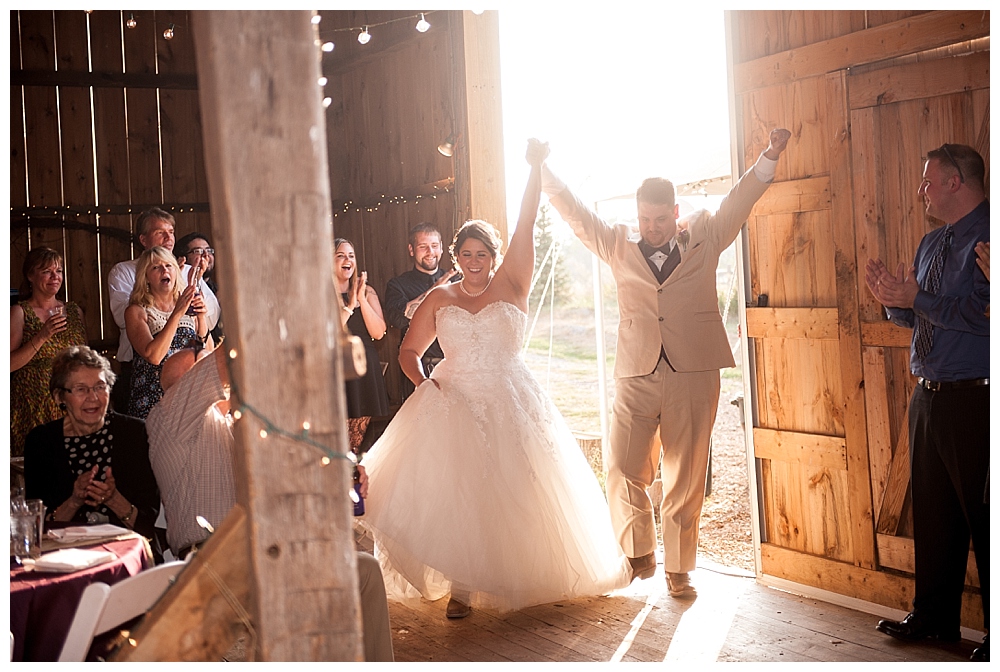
point(92, 465)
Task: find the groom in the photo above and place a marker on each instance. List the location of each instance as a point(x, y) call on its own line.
point(671, 345)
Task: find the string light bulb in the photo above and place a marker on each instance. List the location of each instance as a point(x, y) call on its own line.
point(328, 46)
point(168, 34)
point(327, 101)
point(130, 23)
point(316, 19)
point(364, 36)
point(324, 460)
point(237, 414)
point(322, 81)
point(422, 25)
point(263, 433)
point(306, 426)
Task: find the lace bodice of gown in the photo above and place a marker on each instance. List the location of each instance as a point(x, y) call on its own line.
point(490, 339)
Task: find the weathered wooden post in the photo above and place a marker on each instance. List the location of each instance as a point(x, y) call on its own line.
point(265, 154)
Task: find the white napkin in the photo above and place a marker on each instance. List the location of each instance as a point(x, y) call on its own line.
point(86, 532)
point(71, 559)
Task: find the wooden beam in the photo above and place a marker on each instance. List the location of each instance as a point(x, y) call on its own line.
point(911, 35)
point(879, 425)
point(842, 578)
point(202, 615)
point(798, 447)
point(112, 80)
point(885, 334)
point(265, 151)
point(814, 323)
point(478, 80)
point(794, 196)
point(897, 553)
point(922, 79)
point(848, 322)
point(891, 509)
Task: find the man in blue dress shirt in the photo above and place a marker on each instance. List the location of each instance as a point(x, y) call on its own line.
point(944, 297)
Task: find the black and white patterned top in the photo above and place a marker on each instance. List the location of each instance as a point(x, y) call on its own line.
point(84, 452)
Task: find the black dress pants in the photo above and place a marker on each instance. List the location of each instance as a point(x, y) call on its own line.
point(949, 463)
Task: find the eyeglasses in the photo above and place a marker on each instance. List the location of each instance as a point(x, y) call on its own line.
point(83, 391)
point(198, 251)
point(961, 177)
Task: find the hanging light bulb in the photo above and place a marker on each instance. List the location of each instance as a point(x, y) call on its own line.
point(130, 23)
point(447, 148)
point(316, 19)
point(322, 81)
point(422, 25)
point(168, 34)
point(327, 47)
point(327, 101)
point(363, 36)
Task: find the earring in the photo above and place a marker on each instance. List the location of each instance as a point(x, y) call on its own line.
point(62, 405)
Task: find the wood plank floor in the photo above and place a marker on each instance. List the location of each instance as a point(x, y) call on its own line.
point(732, 619)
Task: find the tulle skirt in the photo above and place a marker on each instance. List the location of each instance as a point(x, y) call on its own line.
point(486, 490)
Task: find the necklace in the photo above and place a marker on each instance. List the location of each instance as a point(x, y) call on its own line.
point(461, 286)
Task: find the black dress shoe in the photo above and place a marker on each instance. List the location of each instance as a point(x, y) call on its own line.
point(913, 628)
point(981, 654)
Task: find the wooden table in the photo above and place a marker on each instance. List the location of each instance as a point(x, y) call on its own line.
point(42, 605)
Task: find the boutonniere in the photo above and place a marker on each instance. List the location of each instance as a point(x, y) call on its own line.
point(683, 238)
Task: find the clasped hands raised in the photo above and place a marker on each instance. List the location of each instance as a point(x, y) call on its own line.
point(89, 490)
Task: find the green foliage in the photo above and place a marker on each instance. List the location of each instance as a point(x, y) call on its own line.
point(545, 235)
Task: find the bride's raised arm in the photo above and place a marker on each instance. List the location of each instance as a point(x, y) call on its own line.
point(519, 261)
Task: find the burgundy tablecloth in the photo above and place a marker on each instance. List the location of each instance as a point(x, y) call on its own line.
point(42, 605)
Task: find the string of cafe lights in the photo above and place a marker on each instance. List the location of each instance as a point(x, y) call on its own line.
point(364, 31)
point(392, 200)
point(269, 428)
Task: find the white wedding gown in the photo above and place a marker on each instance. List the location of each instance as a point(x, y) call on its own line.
point(482, 484)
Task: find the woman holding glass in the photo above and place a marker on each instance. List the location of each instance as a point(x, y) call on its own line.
point(40, 326)
point(158, 323)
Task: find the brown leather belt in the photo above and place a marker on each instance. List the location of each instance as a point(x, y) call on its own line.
point(935, 386)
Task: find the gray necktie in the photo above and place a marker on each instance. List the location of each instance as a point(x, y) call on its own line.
point(932, 284)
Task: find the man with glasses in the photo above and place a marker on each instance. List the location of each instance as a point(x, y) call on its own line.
point(944, 297)
point(190, 250)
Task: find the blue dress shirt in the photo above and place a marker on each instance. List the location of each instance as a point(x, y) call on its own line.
point(961, 349)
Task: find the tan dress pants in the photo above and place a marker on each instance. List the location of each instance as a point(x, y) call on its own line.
point(683, 407)
point(374, 610)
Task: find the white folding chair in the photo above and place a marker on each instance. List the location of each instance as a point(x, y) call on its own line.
point(102, 607)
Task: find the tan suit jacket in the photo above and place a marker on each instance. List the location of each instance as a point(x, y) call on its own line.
point(682, 314)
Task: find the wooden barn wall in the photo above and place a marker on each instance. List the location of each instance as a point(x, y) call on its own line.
point(104, 123)
point(393, 101)
point(866, 95)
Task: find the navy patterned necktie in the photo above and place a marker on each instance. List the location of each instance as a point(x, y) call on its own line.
point(932, 284)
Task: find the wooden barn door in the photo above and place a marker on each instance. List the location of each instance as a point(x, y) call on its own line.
point(831, 382)
point(897, 115)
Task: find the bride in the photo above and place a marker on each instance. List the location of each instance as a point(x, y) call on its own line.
point(478, 487)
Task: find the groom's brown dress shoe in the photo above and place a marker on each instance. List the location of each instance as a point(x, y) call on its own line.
point(643, 567)
point(915, 628)
point(456, 609)
point(679, 585)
